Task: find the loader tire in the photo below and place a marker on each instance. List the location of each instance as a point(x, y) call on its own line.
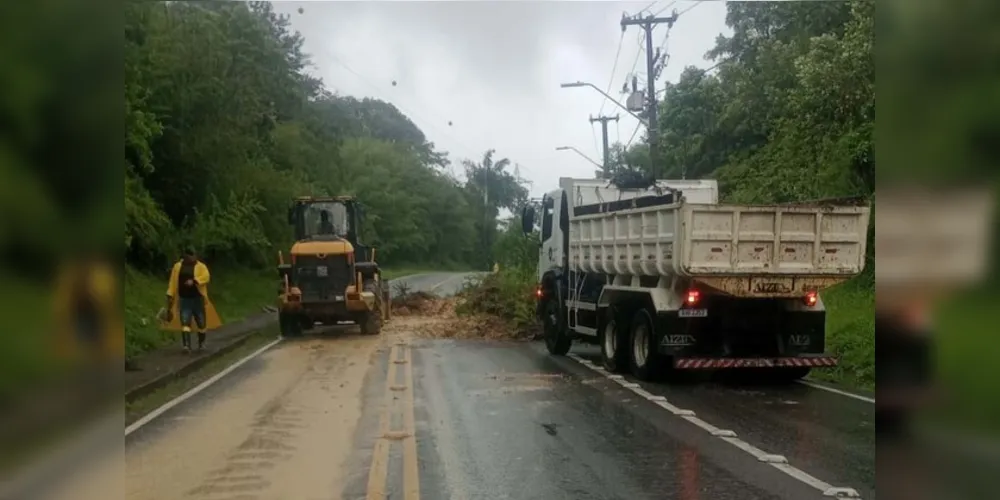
point(290, 325)
point(371, 323)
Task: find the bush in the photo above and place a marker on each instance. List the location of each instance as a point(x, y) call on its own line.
point(508, 294)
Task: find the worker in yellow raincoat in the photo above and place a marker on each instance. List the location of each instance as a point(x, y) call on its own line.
point(188, 302)
point(87, 310)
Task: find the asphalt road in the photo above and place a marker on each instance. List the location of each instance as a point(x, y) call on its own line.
point(507, 421)
point(437, 283)
point(341, 415)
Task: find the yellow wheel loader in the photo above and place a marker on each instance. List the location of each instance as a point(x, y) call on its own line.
point(330, 277)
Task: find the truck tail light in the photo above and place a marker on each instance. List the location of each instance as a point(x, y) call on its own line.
point(811, 298)
point(692, 298)
point(538, 291)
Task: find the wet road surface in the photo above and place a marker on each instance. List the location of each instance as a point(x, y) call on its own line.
point(507, 421)
point(438, 283)
point(398, 417)
point(279, 427)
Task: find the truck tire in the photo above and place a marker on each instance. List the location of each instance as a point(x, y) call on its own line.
point(554, 322)
point(290, 325)
point(614, 342)
point(643, 358)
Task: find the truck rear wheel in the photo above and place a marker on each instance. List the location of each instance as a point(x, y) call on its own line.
point(614, 343)
point(554, 321)
point(644, 358)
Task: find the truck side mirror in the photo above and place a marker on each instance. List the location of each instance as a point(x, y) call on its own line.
point(528, 219)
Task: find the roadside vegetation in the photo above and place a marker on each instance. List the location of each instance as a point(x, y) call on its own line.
point(225, 125)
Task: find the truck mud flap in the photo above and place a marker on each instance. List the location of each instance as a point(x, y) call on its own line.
point(723, 363)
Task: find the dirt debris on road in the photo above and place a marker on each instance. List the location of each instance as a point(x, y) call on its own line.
point(425, 315)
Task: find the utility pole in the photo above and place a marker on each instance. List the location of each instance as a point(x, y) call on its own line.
point(647, 24)
point(604, 133)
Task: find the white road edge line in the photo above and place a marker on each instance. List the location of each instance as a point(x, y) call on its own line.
point(822, 387)
point(777, 461)
point(448, 280)
point(438, 285)
point(153, 415)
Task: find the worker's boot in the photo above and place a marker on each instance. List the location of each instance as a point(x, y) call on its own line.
point(201, 340)
point(186, 340)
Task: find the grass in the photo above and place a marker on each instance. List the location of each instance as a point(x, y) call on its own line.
point(967, 360)
point(25, 358)
point(966, 352)
point(236, 294)
point(142, 406)
point(850, 335)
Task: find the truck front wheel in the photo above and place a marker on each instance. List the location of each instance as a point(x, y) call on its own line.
point(644, 357)
point(553, 320)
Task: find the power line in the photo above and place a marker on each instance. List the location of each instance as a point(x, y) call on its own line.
point(650, 5)
point(611, 79)
point(593, 133)
point(669, 5)
point(630, 139)
point(681, 13)
point(409, 112)
point(716, 65)
point(642, 39)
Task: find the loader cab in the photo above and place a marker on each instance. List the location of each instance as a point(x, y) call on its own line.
point(325, 219)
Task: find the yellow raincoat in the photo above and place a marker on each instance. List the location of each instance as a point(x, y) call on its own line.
point(201, 277)
point(100, 282)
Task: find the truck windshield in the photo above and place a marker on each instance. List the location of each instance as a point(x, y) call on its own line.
point(326, 218)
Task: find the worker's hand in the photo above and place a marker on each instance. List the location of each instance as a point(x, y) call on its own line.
point(169, 316)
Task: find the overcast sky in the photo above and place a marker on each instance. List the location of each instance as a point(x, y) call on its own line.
point(493, 69)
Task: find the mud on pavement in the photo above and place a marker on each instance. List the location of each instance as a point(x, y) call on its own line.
point(282, 429)
point(425, 315)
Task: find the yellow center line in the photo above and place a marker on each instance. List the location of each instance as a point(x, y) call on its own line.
point(378, 474)
point(411, 471)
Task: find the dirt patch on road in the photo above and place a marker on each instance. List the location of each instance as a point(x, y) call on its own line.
point(425, 315)
point(281, 428)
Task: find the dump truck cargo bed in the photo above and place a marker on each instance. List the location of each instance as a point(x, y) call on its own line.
point(743, 250)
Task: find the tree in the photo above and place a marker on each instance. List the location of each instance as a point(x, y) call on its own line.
point(225, 127)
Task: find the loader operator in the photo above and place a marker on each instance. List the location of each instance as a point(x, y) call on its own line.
point(325, 225)
point(187, 300)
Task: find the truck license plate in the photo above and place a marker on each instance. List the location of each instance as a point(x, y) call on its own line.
point(321, 271)
point(692, 313)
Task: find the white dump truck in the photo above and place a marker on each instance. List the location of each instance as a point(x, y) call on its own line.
point(666, 277)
